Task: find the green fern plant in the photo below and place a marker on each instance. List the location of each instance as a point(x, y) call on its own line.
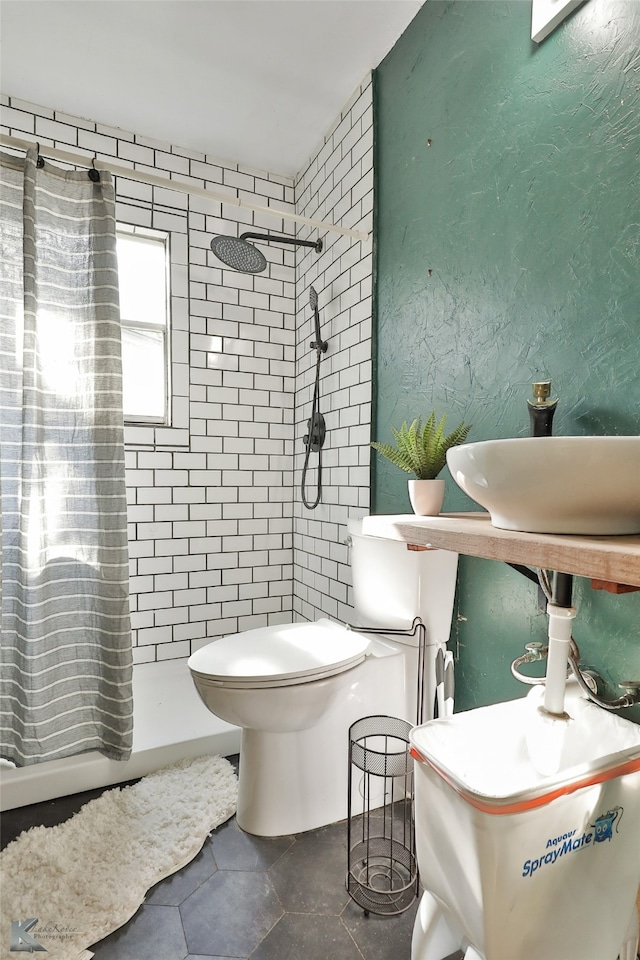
point(422, 450)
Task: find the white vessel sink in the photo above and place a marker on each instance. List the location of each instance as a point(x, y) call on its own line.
point(579, 485)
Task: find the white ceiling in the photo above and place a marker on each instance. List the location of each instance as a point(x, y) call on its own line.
point(256, 82)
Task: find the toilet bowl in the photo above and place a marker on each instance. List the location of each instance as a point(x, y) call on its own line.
point(240, 677)
point(295, 689)
point(294, 722)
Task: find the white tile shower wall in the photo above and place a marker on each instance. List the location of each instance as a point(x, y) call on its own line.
point(336, 186)
point(210, 497)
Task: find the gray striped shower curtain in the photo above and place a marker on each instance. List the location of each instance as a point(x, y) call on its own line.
point(66, 666)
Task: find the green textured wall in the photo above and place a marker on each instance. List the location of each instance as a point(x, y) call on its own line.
point(508, 250)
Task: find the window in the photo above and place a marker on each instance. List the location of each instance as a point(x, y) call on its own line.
point(143, 274)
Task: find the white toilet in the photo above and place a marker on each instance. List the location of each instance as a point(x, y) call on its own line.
point(295, 689)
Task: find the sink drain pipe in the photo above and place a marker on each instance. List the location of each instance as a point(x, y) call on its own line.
point(560, 625)
point(560, 609)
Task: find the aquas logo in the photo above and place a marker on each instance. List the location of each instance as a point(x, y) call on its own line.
point(604, 824)
point(570, 842)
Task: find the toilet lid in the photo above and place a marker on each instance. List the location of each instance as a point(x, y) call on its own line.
point(285, 653)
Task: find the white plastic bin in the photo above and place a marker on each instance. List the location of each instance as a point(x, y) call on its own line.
point(524, 862)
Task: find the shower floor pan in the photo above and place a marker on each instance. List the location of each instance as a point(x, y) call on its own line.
point(170, 723)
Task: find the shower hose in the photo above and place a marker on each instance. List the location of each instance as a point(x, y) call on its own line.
point(310, 439)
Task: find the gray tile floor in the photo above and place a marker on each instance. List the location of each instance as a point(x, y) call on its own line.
point(247, 897)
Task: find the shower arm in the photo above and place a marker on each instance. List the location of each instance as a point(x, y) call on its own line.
point(276, 238)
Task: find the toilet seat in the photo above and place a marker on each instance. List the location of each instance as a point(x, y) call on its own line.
point(279, 655)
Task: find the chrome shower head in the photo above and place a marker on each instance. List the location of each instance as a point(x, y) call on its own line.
point(237, 253)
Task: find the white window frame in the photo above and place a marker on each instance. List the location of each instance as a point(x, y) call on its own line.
point(164, 328)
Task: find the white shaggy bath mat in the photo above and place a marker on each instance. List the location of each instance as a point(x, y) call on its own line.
point(85, 878)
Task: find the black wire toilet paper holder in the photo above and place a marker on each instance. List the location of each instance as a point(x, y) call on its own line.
point(382, 872)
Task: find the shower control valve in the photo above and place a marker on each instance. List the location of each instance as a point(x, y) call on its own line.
point(314, 440)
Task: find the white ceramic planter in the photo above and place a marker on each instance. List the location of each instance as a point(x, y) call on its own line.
point(426, 497)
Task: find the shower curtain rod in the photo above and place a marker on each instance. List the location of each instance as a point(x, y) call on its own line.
point(128, 174)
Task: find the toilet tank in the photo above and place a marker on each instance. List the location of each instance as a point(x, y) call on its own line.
point(393, 584)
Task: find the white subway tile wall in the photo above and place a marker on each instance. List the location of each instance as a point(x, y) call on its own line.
point(218, 539)
point(336, 186)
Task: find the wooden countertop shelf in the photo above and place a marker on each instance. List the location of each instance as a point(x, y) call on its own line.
point(615, 560)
